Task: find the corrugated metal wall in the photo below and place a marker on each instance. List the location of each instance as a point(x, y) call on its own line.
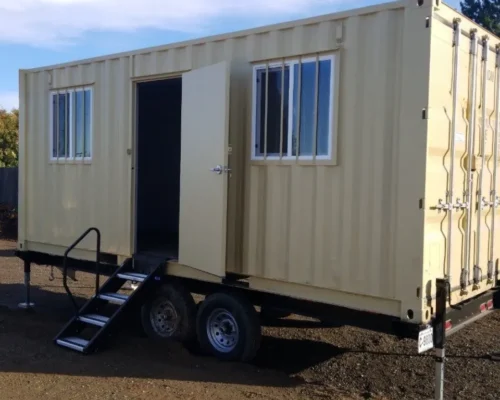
point(441, 133)
point(334, 226)
point(65, 198)
point(341, 226)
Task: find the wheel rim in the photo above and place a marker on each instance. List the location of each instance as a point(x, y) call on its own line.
point(164, 318)
point(222, 330)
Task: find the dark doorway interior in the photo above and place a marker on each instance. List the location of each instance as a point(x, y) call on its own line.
point(158, 166)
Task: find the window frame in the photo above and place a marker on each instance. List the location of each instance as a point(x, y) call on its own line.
point(71, 124)
point(288, 157)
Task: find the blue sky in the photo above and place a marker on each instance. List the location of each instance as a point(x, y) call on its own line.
point(41, 32)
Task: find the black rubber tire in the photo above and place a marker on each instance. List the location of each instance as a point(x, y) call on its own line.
point(185, 308)
point(246, 318)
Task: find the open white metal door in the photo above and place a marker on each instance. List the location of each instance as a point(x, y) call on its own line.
point(204, 171)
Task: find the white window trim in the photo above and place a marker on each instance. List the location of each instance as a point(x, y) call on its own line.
point(71, 156)
point(290, 63)
point(51, 119)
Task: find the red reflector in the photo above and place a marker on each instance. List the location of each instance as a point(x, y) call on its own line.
point(489, 305)
point(482, 307)
point(447, 325)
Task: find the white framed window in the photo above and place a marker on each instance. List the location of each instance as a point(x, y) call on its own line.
point(71, 124)
point(293, 109)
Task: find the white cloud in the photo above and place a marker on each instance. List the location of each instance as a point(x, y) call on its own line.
point(55, 22)
point(9, 100)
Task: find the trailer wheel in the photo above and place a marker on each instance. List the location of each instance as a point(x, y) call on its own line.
point(228, 327)
point(170, 314)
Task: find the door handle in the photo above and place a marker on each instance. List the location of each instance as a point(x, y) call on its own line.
point(219, 169)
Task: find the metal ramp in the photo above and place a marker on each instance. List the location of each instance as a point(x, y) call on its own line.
point(95, 322)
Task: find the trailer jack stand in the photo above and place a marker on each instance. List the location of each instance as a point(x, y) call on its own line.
point(440, 336)
point(28, 305)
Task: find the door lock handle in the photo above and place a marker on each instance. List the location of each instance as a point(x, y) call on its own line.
point(219, 169)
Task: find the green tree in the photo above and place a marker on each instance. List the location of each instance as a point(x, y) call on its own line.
point(9, 138)
point(484, 12)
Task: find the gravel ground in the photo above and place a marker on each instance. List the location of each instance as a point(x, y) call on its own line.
point(299, 358)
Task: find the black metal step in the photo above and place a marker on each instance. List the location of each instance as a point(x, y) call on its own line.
point(132, 276)
point(87, 318)
point(94, 319)
point(115, 298)
point(73, 343)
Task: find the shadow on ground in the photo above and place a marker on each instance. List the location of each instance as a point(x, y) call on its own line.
point(7, 253)
point(26, 346)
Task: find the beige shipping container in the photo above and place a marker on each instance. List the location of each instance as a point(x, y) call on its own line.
point(348, 159)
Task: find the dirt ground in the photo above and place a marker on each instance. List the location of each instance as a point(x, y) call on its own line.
point(299, 358)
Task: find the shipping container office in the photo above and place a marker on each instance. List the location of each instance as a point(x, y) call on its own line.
point(338, 161)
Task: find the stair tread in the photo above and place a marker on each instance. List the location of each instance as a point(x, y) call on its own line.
point(95, 319)
point(113, 296)
point(132, 276)
point(117, 295)
point(74, 340)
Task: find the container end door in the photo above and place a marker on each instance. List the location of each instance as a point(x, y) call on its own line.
point(204, 173)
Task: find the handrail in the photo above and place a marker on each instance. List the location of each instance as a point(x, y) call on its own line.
point(98, 263)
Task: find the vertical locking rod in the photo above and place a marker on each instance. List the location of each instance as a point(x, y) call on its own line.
point(484, 93)
point(465, 276)
point(456, 63)
point(494, 198)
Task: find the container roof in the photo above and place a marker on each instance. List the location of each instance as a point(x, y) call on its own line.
point(387, 5)
point(258, 30)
